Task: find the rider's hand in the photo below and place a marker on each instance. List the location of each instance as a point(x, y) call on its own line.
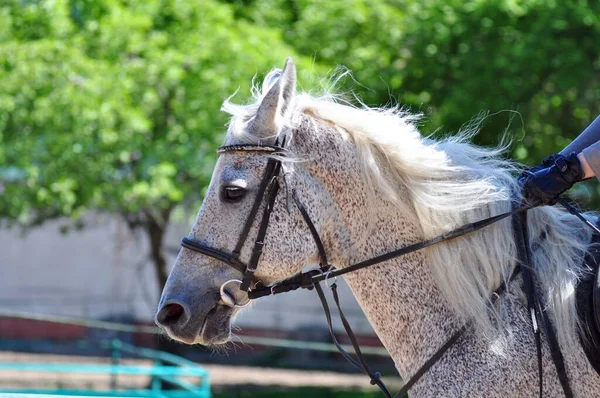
point(542, 185)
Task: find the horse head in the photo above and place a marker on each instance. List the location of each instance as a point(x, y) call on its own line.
point(202, 294)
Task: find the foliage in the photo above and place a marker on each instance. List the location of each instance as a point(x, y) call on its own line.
point(114, 104)
point(452, 59)
point(536, 56)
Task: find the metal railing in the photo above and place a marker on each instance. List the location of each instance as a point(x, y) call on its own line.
point(153, 330)
point(165, 374)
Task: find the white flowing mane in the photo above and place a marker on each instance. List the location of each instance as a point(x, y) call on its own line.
point(452, 182)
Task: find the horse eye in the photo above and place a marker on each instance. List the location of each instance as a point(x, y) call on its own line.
point(232, 194)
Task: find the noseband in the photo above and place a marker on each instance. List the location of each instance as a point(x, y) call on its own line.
point(267, 192)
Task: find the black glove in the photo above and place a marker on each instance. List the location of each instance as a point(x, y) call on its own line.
point(542, 185)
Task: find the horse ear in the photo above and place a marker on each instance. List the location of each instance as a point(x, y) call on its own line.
point(277, 104)
point(271, 79)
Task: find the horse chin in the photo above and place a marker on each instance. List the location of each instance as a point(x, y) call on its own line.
point(216, 328)
point(182, 338)
point(211, 336)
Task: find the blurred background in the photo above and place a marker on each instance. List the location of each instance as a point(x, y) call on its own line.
point(109, 120)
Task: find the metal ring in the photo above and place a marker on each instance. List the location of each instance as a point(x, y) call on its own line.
point(494, 297)
point(320, 272)
point(227, 299)
point(327, 277)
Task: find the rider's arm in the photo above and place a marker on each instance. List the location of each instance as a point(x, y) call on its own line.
point(587, 146)
point(589, 136)
point(590, 160)
point(557, 173)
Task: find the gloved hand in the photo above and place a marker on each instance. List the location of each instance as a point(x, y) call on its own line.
point(542, 185)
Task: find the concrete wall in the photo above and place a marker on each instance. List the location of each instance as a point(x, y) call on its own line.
point(103, 271)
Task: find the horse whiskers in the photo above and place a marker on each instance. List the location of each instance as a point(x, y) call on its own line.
point(220, 349)
point(240, 342)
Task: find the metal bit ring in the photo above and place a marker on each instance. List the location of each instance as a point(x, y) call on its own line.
point(227, 299)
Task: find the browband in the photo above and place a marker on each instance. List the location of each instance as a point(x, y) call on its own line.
point(251, 148)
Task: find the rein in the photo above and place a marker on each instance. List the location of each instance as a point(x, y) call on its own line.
point(312, 279)
point(308, 279)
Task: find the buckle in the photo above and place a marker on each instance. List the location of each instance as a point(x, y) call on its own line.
point(562, 164)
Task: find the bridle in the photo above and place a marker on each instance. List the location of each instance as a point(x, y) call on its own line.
point(269, 186)
point(267, 192)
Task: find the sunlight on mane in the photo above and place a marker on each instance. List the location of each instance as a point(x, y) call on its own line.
point(451, 182)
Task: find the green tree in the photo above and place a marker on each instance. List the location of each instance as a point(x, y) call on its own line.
point(114, 105)
point(452, 59)
point(538, 57)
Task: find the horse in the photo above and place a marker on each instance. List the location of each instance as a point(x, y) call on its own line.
point(370, 183)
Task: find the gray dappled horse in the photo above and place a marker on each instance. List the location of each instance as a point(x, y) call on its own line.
point(370, 184)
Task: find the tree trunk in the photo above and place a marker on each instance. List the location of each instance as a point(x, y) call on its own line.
point(156, 226)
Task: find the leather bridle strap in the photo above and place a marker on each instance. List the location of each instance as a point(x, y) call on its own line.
point(536, 307)
point(227, 258)
point(361, 364)
point(255, 206)
point(521, 236)
point(324, 263)
point(249, 278)
point(269, 187)
point(304, 280)
point(458, 232)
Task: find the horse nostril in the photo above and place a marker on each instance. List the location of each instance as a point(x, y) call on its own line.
point(174, 311)
point(171, 314)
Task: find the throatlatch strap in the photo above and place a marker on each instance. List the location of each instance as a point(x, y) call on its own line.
point(313, 231)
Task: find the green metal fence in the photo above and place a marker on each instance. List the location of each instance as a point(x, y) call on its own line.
point(165, 375)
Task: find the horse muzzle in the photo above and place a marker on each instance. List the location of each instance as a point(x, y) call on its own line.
point(176, 318)
point(197, 312)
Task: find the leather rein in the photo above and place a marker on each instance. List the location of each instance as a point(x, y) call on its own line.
point(268, 189)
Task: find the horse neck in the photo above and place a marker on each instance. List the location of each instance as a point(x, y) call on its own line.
point(399, 297)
